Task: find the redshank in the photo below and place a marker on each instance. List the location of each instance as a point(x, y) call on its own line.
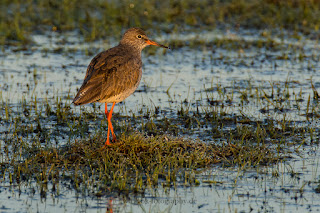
point(114, 74)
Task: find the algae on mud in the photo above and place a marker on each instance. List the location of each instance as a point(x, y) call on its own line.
point(130, 166)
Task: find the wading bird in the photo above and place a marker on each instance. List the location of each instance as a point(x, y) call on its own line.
point(114, 74)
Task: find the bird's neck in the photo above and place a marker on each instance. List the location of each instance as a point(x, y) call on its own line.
point(131, 47)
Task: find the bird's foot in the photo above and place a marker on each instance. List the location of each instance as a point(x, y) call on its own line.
point(107, 143)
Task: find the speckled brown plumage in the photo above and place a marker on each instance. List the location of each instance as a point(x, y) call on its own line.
point(114, 74)
point(110, 76)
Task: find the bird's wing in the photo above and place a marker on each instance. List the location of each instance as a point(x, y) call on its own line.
point(103, 76)
point(102, 59)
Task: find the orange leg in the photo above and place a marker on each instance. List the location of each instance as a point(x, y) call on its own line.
point(109, 121)
point(110, 127)
point(107, 114)
point(106, 109)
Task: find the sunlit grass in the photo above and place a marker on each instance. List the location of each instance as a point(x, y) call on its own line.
point(132, 164)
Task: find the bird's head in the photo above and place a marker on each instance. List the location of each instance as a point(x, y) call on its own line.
point(137, 37)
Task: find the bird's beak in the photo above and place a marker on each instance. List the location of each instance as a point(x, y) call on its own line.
point(150, 42)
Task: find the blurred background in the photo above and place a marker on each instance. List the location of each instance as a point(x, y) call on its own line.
point(95, 19)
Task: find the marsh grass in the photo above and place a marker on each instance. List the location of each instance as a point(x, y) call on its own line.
point(131, 165)
point(52, 145)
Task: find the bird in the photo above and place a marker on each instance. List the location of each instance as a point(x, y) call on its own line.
point(115, 74)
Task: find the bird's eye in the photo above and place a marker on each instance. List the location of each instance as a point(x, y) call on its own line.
point(139, 36)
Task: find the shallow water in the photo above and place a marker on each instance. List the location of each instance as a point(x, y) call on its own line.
point(194, 76)
point(52, 67)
